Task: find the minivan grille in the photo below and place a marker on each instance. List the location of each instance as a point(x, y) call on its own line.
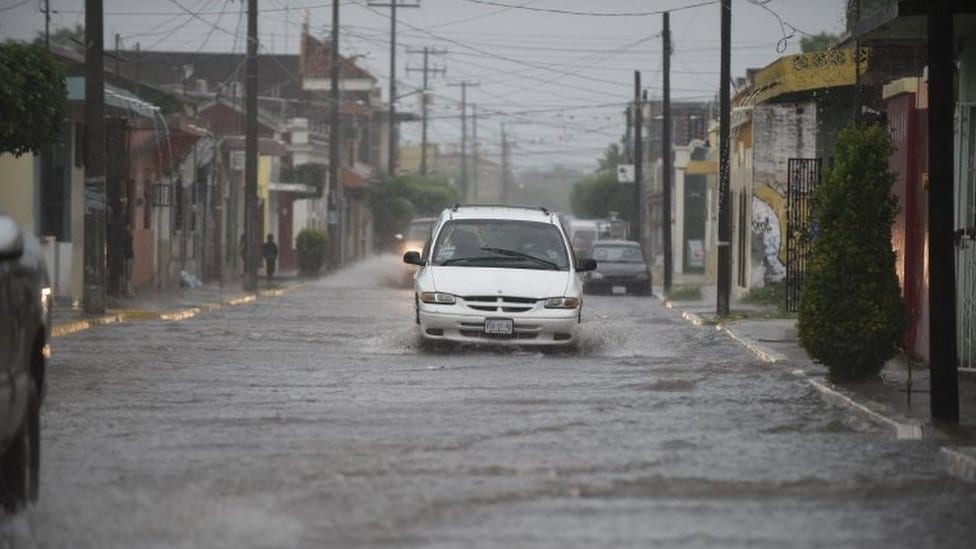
point(494, 304)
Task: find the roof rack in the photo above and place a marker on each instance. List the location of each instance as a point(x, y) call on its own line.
point(542, 208)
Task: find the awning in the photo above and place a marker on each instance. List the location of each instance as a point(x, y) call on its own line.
point(114, 97)
point(266, 145)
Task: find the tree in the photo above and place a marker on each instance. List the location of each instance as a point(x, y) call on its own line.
point(67, 36)
point(33, 96)
point(395, 200)
point(311, 174)
point(597, 195)
point(611, 158)
point(851, 314)
point(818, 42)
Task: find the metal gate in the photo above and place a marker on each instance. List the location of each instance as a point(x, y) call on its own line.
point(965, 198)
point(803, 176)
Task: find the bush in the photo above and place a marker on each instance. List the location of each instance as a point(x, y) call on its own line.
point(685, 293)
point(851, 314)
point(773, 293)
point(312, 246)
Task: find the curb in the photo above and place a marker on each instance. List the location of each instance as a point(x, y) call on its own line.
point(764, 354)
point(904, 429)
point(961, 462)
point(75, 326)
point(117, 316)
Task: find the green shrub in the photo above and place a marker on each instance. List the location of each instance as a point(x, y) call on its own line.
point(773, 293)
point(312, 246)
point(685, 293)
point(851, 314)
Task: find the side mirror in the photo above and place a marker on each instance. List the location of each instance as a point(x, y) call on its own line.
point(586, 265)
point(11, 239)
point(413, 258)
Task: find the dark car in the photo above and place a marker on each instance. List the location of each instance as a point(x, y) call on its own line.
point(621, 269)
point(25, 299)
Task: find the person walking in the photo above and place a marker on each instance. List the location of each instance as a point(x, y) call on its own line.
point(270, 256)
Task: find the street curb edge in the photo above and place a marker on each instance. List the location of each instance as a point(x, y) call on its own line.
point(904, 430)
point(961, 462)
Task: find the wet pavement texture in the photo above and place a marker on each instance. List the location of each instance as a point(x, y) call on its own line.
point(313, 420)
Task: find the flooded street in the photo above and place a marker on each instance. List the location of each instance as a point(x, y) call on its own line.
point(313, 420)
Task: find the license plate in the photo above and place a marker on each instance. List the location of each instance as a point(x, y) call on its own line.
point(617, 290)
point(499, 326)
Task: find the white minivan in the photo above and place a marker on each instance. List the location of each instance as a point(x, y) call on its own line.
point(498, 274)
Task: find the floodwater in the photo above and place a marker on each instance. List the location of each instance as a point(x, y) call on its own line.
point(313, 420)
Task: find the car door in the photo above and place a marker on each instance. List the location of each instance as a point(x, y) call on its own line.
point(8, 348)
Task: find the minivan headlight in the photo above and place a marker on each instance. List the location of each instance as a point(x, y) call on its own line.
point(562, 303)
point(438, 298)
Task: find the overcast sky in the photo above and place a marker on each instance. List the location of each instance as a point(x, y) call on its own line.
point(559, 81)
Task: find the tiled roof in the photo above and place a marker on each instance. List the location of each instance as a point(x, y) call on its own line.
point(317, 61)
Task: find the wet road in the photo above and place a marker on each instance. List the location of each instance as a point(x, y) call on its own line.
point(312, 420)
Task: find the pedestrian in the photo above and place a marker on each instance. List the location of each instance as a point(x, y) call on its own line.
point(129, 256)
point(270, 256)
point(242, 250)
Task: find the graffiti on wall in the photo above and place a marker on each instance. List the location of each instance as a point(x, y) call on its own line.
point(780, 131)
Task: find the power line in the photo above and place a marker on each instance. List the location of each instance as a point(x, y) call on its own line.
point(589, 13)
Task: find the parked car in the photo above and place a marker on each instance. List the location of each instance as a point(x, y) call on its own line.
point(25, 320)
point(416, 237)
point(498, 274)
point(622, 268)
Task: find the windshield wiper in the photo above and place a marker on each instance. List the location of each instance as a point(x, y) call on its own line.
point(454, 260)
point(514, 253)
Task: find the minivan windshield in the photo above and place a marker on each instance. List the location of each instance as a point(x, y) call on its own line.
point(501, 243)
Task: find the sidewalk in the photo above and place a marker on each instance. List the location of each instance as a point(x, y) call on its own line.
point(898, 398)
point(178, 304)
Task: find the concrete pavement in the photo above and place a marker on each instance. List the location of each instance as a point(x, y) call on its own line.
point(898, 398)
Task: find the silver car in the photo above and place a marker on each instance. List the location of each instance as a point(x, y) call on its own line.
point(25, 315)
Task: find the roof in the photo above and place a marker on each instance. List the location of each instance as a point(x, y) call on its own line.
point(114, 97)
point(174, 68)
point(266, 146)
point(511, 213)
point(316, 61)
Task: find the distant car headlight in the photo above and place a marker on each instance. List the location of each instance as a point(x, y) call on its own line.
point(562, 303)
point(438, 298)
point(595, 275)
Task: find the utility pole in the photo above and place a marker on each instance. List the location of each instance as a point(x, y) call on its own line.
point(425, 99)
point(724, 206)
point(667, 160)
point(339, 193)
point(95, 198)
point(638, 157)
point(47, 25)
point(506, 181)
point(474, 153)
point(944, 371)
point(464, 135)
point(391, 161)
point(251, 151)
point(118, 45)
